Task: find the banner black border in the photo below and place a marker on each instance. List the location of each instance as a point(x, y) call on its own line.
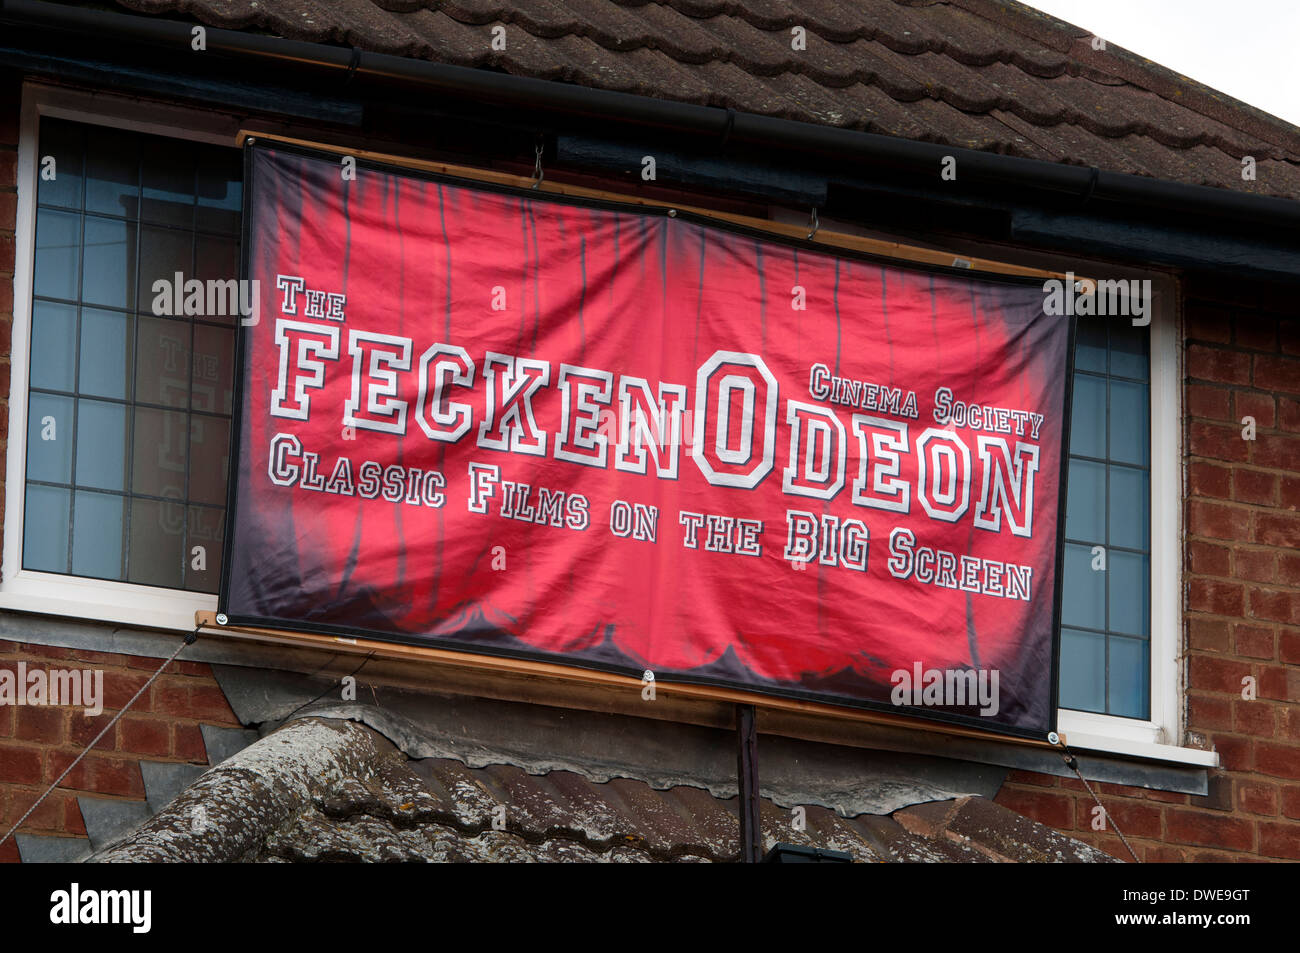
point(253, 143)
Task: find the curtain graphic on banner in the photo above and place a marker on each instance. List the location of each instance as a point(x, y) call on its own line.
point(496, 421)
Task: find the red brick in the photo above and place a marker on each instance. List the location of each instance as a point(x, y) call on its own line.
point(1290, 493)
point(1277, 529)
point(1209, 713)
point(1054, 810)
point(148, 663)
point(191, 668)
point(1159, 854)
point(1212, 857)
point(1209, 559)
point(1254, 718)
point(149, 736)
point(1236, 753)
point(20, 764)
point(1251, 486)
point(1275, 605)
point(1221, 366)
point(1279, 451)
point(1256, 331)
point(45, 724)
point(1133, 818)
point(171, 696)
point(1207, 635)
point(187, 743)
point(1207, 322)
point(1256, 798)
point(98, 774)
point(73, 823)
point(1279, 840)
point(1273, 373)
point(48, 816)
point(119, 687)
point(1220, 598)
point(1278, 761)
point(1291, 802)
point(95, 658)
point(1113, 846)
point(1289, 648)
point(1259, 406)
point(1282, 684)
point(82, 730)
point(1288, 414)
point(1211, 402)
point(1218, 442)
point(8, 168)
point(1210, 479)
point(1212, 674)
point(1218, 521)
point(43, 651)
point(1254, 565)
point(1209, 830)
point(209, 704)
point(1253, 641)
point(8, 216)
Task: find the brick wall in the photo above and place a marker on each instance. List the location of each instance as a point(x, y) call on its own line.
point(38, 743)
point(1242, 604)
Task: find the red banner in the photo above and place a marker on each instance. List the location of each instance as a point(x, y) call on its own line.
point(622, 438)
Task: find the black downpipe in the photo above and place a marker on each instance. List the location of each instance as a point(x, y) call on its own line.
point(764, 132)
point(748, 803)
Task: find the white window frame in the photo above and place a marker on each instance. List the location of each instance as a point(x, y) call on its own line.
point(54, 593)
point(1160, 736)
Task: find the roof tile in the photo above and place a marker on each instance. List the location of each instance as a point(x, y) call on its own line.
point(984, 74)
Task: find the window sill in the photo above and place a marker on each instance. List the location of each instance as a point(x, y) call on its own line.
point(102, 601)
point(1085, 731)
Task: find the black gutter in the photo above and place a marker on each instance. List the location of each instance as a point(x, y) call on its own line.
point(762, 132)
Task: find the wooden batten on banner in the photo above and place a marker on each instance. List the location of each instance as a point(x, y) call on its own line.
point(206, 621)
point(824, 236)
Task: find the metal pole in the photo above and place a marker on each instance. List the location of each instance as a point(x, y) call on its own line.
point(751, 832)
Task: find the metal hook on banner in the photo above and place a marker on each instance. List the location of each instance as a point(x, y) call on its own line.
point(813, 224)
point(538, 175)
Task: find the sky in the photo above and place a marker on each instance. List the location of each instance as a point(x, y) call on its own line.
point(1249, 49)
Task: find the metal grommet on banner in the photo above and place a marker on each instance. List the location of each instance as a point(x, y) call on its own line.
point(222, 618)
point(813, 224)
point(537, 164)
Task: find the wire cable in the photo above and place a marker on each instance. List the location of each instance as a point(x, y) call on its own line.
point(190, 639)
point(1072, 763)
